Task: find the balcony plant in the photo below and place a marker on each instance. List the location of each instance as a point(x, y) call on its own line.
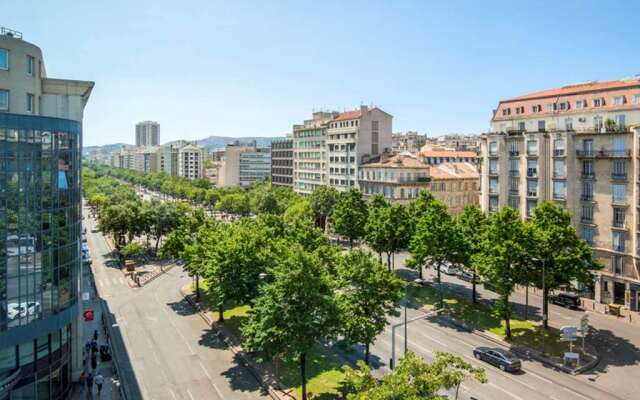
point(610, 125)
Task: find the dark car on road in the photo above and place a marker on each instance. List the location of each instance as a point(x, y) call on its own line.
point(500, 358)
point(569, 300)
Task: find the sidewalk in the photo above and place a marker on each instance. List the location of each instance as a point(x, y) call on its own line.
point(110, 390)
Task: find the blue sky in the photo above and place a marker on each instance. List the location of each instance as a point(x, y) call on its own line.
point(254, 68)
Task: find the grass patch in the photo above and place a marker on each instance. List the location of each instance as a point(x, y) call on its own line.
point(523, 332)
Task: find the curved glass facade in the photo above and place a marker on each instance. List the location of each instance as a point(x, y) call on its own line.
point(40, 232)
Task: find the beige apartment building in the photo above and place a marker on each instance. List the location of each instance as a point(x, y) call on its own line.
point(244, 164)
point(576, 145)
point(411, 142)
point(400, 177)
point(147, 159)
point(353, 138)
point(310, 152)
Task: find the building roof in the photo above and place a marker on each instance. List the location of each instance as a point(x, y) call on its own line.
point(348, 115)
point(454, 170)
point(579, 88)
point(400, 160)
point(429, 151)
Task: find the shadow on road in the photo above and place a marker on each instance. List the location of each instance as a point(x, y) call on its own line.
point(239, 377)
point(182, 307)
point(614, 351)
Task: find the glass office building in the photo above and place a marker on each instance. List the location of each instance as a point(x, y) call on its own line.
point(40, 225)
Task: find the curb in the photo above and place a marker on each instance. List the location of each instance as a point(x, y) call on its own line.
point(526, 351)
point(237, 350)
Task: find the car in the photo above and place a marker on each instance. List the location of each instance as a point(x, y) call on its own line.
point(84, 238)
point(497, 357)
point(419, 281)
point(85, 246)
point(564, 299)
point(466, 276)
point(19, 310)
point(86, 259)
point(449, 269)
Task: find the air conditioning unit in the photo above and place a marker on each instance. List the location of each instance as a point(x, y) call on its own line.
point(582, 119)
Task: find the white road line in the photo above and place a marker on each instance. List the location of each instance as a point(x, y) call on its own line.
point(205, 370)
point(542, 378)
point(505, 391)
point(576, 393)
point(155, 295)
point(190, 395)
point(211, 380)
point(173, 394)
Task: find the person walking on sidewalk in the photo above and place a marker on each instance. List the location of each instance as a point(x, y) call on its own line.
point(99, 380)
point(90, 383)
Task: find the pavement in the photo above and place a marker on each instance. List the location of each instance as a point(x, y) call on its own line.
point(164, 349)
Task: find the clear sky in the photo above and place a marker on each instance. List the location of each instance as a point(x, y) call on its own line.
point(254, 68)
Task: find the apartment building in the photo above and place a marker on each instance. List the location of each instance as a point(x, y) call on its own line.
point(400, 177)
point(147, 133)
point(41, 325)
point(282, 163)
point(576, 145)
point(122, 158)
point(191, 161)
point(147, 159)
point(244, 164)
point(434, 155)
point(310, 152)
point(410, 142)
point(354, 137)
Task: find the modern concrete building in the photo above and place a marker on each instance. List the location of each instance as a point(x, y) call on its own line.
point(191, 161)
point(244, 164)
point(401, 177)
point(410, 142)
point(310, 152)
point(40, 224)
point(147, 133)
point(576, 145)
point(354, 137)
point(282, 163)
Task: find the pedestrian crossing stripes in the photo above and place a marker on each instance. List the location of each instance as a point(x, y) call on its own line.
point(112, 281)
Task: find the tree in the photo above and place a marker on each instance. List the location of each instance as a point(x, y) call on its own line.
point(234, 203)
point(294, 312)
point(132, 250)
point(386, 228)
point(164, 218)
point(376, 226)
point(118, 220)
point(501, 256)
point(413, 379)
point(323, 201)
point(435, 240)
point(472, 224)
point(366, 294)
point(299, 212)
point(417, 208)
point(566, 257)
point(350, 215)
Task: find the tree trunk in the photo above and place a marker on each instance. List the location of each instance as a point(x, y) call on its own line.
point(221, 312)
point(420, 270)
point(157, 245)
point(303, 375)
point(351, 243)
point(545, 308)
point(366, 353)
point(507, 317)
point(526, 302)
point(380, 257)
point(474, 296)
point(197, 287)
point(389, 261)
point(440, 288)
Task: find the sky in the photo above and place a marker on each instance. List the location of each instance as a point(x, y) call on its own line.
point(255, 68)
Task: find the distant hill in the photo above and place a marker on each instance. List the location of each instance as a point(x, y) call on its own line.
point(107, 148)
point(212, 142)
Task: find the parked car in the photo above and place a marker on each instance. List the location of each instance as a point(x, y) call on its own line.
point(85, 246)
point(449, 269)
point(569, 300)
point(86, 259)
point(500, 358)
point(466, 276)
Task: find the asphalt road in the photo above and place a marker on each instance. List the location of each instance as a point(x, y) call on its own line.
point(166, 351)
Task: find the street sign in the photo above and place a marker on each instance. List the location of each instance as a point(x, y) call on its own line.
point(568, 333)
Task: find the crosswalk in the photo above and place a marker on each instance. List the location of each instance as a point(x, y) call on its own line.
point(113, 281)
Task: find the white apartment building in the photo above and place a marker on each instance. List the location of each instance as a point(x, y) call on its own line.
point(353, 137)
point(310, 152)
point(191, 161)
point(147, 133)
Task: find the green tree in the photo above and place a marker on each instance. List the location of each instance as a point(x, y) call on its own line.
point(132, 250)
point(118, 220)
point(413, 379)
point(350, 215)
point(299, 212)
point(386, 228)
point(366, 294)
point(417, 208)
point(295, 311)
point(376, 226)
point(472, 224)
point(435, 240)
point(234, 203)
point(323, 201)
point(501, 257)
point(566, 257)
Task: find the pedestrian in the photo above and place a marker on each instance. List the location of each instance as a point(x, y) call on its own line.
point(94, 362)
point(94, 346)
point(83, 380)
point(89, 381)
point(95, 334)
point(99, 380)
point(87, 347)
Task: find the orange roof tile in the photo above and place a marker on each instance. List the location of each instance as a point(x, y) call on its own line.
point(348, 115)
point(402, 160)
point(579, 88)
point(447, 153)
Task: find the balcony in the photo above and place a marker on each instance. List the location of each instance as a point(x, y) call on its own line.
point(558, 153)
point(532, 153)
point(588, 175)
point(559, 175)
point(560, 196)
point(493, 172)
point(619, 225)
point(514, 172)
point(532, 172)
point(584, 153)
point(532, 193)
point(604, 153)
point(586, 197)
point(619, 202)
point(514, 191)
point(621, 176)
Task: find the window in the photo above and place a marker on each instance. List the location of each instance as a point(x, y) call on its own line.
point(506, 111)
point(618, 265)
point(619, 192)
point(587, 168)
point(619, 146)
point(532, 147)
point(514, 166)
point(587, 213)
point(4, 100)
point(493, 166)
point(4, 59)
point(532, 188)
point(568, 124)
point(636, 99)
point(581, 104)
point(587, 234)
point(374, 125)
point(558, 147)
point(537, 108)
point(620, 121)
point(599, 102)
point(520, 110)
point(513, 185)
point(619, 241)
point(521, 126)
point(493, 148)
point(513, 148)
point(587, 147)
point(531, 205)
point(564, 106)
point(30, 103)
point(532, 167)
point(559, 168)
point(619, 169)
point(559, 189)
point(514, 202)
point(30, 66)
point(587, 190)
point(618, 217)
point(493, 185)
point(598, 124)
point(551, 107)
point(618, 100)
point(493, 204)
point(541, 125)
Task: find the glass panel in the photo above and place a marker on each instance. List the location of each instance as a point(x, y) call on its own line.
point(4, 59)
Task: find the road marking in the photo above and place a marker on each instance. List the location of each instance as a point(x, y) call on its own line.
point(173, 394)
point(211, 380)
point(576, 393)
point(190, 395)
point(505, 391)
point(539, 377)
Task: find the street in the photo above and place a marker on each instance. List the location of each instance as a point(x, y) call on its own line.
point(165, 350)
